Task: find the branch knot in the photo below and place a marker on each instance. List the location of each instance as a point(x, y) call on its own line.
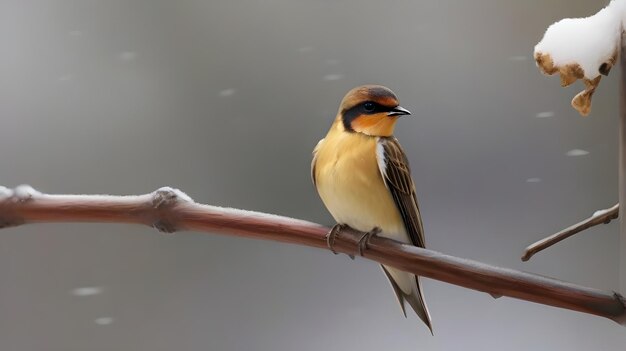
point(166, 196)
point(21, 194)
point(163, 199)
point(621, 318)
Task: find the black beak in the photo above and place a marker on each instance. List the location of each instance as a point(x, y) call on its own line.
point(398, 111)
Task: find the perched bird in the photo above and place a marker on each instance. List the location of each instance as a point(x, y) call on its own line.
point(363, 177)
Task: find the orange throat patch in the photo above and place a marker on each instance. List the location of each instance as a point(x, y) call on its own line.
point(375, 125)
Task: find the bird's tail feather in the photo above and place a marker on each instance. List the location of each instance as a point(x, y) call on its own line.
point(415, 298)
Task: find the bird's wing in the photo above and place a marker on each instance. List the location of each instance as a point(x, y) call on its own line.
point(315, 160)
point(394, 168)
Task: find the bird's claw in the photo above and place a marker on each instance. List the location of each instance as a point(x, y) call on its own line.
point(362, 243)
point(332, 235)
point(365, 238)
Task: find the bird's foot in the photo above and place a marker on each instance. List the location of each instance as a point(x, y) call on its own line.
point(332, 235)
point(365, 238)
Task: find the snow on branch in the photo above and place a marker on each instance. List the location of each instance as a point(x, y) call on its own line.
point(170, 210)
point(582, 48)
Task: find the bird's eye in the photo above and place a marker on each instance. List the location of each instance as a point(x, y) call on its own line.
point(369, 106)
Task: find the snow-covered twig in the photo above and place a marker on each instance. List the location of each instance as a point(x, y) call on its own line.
point(582, 48)
point(171, 210)
point(599, 217)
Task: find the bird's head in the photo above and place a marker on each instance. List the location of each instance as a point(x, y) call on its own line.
point(371, 110)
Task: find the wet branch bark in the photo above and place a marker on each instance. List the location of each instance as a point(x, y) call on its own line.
point(170, 210)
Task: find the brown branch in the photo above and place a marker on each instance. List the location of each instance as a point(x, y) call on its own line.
point(622, 161)
point(599, 217)
point(169, 210)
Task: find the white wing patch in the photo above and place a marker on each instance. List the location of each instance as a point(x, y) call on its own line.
point(380, 159)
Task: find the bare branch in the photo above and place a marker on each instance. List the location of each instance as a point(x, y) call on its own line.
point(622, 160)
point(599, 217)
point(169, 210)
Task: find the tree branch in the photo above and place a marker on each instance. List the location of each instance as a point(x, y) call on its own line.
point(622, 160)
point(599, 217)
point(170, 210)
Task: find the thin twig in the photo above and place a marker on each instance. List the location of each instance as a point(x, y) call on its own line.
point(170, 210)
point(599, 217)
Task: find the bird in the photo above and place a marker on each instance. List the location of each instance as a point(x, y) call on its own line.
point(362, 175)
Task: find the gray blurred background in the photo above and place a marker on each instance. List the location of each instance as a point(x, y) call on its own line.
point(225, 100)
